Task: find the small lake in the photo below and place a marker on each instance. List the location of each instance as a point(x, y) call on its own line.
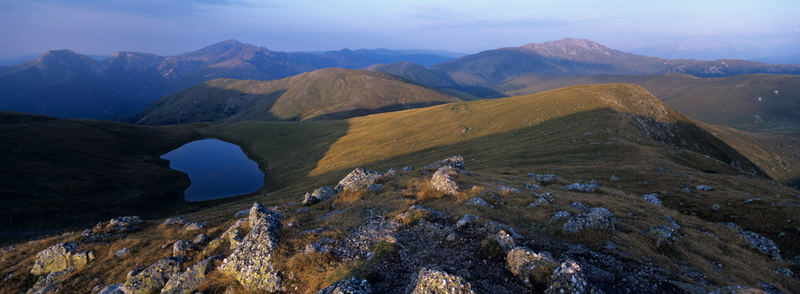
point(216, 169)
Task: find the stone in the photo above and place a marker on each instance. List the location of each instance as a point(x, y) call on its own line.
point(543, 178)
point(59, 257)
point(213, 246)
point(47, 284)
point(251, 262)
point(112, 289)
point(456, 161)
point(784, 271)
point(188, 281)
point(587, 187)
point(407, 168)
point(751, 200)
point(560, 215)
point(652, 198)
point(320, 194)
point(357, 179)
point(181, 248)
point(504, 239)
point(123, 224)
point(580, 206)
point(507, 189)
point(348, 286)
point(532, 187)
point(435, 281)
point(308, 199)
point(538, 202)
point(195, 226)
point(671, 222)
point(122, 252)
point(661, 235)
point(177, 220)
point(234, 234)
point(442, 180)
point(715, 207)
point(200, 239)
point(241, 213)
point(531, 268)
point(477, 201)
point(153, 278)
point(703, 188)
point(568, 278)
point(763, 244)
point(467, 219)
point(597, 218)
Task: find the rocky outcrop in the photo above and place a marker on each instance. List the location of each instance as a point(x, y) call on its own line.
point(188, 281)
point(763, 244)
point(597, 218)
point(568, 278)
point(251, 262)
point(357, 179)
point(122, 224)
point(532, 268)
point(153, 278)
point(320, 194)
point(442, 180)
point(434, 281)
point(348, 286)
point(59, 257)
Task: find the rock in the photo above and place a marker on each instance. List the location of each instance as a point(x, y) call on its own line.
point(763, 244)
point(543, 178)
point(504, 239)
point(477, 201)
point(588, 187)
point(123, 224)
point(452, 161)
point(112, 289)
point(407, 168)
point(597, 218)
point(181, 248)
point(686, 190)
point(532, 268)
point(568, 278)
point(532, 187)
point(507, 189)
point(672, 223)
point(784, 271)
point(467, 219)
point(213, 246)
point(560, 215)
point(795, 260)
point(661, 235)
point(59, 257)
point(357, 179)
point(348, 286)
point(122, 252)
point(538, 202)
point(188, 281)
point(320, 194)
point(614, 178)
point(715, 207)
point(178, 220)
point(375, 187)
point(234, 234)
point(152, 278)
point(47, 284)
point(652, 198)
point(242, 213)
point(434, 281)
point(703, 188)
point(195, 226)
point(251, 262)
point(308, 199)
point(200, 239)
point(751, 200)
point(442, 180)
point(580, 206)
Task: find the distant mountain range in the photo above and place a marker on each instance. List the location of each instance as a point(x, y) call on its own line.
point(66, 84)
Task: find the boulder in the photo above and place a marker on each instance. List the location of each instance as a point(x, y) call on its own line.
point(188, 281)
point(784, 271)
point(763, 244)
point(504, 239)
point(466, 220)
point(442, 180)
point(357, 179)
point(153, 278)
point(434, 281)
point(321, 193)
point(309, 200)
point(580, 206)
point(477, 201)
point(652, 198)
point(251, 262)
point(59, 257)
point(597, 218)
point(195, 226)
point(177, 220)
point(235, 233)
point(348, 286)
point(568, 278)
point(181, 249)
point(559, 215)
point(213, 246)
point(532, 268)
point(123, 224)
point(47, 284)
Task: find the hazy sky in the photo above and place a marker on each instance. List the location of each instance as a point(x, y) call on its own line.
point(676, 28)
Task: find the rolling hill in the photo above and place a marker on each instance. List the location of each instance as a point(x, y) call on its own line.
point(63, 83)
point(326, 93)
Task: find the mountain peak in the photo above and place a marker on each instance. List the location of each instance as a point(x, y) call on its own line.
point(568, 44)
point(64, 57)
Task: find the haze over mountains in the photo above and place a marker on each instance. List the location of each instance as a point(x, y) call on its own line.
point(66, 84)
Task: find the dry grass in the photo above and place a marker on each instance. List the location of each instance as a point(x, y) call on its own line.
point(350, 196)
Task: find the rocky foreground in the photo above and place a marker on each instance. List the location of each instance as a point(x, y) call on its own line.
point(417, 249)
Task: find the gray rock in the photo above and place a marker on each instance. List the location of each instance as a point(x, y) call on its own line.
point(122, 252)
point(568, 278)
point(59, 257)
point(661, 235)
point(763, 244)
point(715, 207)
point(686, 190)
point(532, 187)
point(529, 266)
point(308, 199)
point(242, 213)
point(348, 286)
point(112, 289)
point(188, 281)
point(123, 224)
point(587, 187)
point(200, 239)
point(195, 226)
point(560, 215)
point(467, 219)
point(442, 180)
point(251, 262)
point(435, 281)
point(407, 168)
point(177, 220)
point(507, 189)
point(452, 161)
point(652, 198)
point(751, 200)
point(504, 239)
point(181, 248)
point(597, 218)
point(153, 278)
point(357, 179)
point(323, 193)
point(477, 201)
point(538, 202)
point(703, 188)
point(784, 271)
point(47, 284)
point(580, 206)
point(543, 178)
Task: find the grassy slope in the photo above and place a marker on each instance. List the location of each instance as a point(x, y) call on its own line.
point(58, 174)
point(325, 93)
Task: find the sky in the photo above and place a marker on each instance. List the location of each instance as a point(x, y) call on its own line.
point(671, 29)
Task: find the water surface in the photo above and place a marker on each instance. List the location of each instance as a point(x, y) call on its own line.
point(216, 169)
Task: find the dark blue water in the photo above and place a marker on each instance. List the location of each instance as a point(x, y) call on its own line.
point(216, 169)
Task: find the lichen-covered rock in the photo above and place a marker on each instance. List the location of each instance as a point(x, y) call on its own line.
point(60, 257)
point(357, 179)
point(652, 198)
point(213, 246)
point(477, 201)
point(504, 239)
point(181, 249)
point(661, 235)
point(251, 262)
point(568, 278)
point(543, 178)
point(177, 220)
point(152, 278)
point(235, 233)
point(442, 180)
point(587, 187)
point(47, 284)
point(597, 218)
point(763, 244)
point(671, 222)
point(456, 161)
point(195, 226)
point(348, 286)
point(188, 281)
point(434, 281)
point(704, 188)
point(532, 268)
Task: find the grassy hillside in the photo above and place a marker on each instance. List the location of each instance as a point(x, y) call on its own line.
point(58, 174)
point(326, 93)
